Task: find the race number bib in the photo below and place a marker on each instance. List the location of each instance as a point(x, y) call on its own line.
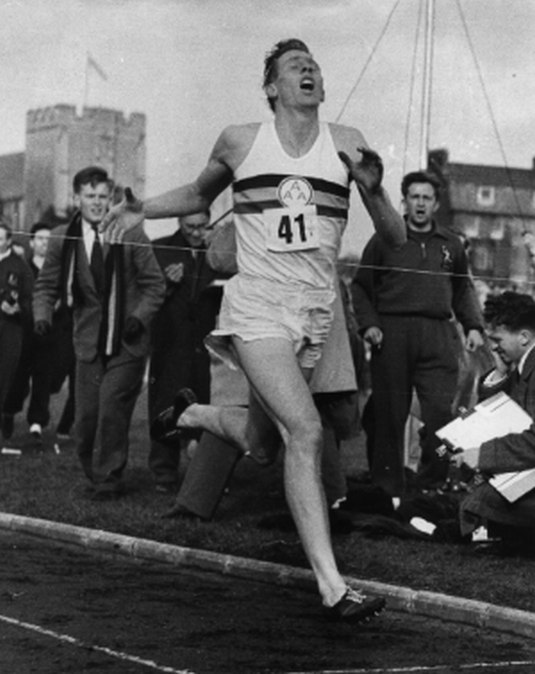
point(291, 230)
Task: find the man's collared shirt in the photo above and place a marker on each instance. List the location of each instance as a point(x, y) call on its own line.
point(89, 237)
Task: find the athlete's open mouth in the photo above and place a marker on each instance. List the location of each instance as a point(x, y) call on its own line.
point(307, 85)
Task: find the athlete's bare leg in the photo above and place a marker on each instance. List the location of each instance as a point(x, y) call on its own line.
point(275, 376)
point(250, 429)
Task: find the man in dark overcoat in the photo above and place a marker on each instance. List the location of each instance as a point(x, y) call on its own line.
point(179, 357)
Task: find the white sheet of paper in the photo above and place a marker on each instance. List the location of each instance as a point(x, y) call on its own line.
point(492, 418)
point(495, 417)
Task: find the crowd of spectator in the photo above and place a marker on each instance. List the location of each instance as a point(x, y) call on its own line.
point(271, 366)
point(415, 343)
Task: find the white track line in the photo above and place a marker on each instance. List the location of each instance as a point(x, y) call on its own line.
point(101, 649)
point(424, 668)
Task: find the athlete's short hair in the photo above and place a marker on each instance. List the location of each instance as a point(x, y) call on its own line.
point(270, 61)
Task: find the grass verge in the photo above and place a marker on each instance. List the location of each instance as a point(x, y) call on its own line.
point(47, 485)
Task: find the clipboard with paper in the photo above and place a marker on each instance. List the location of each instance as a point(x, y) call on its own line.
point(492, 418)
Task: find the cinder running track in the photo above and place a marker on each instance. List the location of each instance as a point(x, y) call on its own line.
point(70, 610)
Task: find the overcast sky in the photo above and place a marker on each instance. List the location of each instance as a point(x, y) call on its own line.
point(195, 66)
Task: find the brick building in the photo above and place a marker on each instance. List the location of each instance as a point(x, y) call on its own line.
point(36, 185)
point(492, 206)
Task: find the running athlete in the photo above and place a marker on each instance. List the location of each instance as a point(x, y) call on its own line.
point(290, 179)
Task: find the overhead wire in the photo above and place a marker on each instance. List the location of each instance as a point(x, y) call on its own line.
point(409, 115)
point(427, 89)
point(478, 68)
point(349, 263)
point(412, 87)
point(489, 107)
point(368, 61)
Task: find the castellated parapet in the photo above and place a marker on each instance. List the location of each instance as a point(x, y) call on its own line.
point(60, 142)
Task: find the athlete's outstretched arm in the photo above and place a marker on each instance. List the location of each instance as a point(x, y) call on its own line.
point(366, 169)
point(190, 198)
point(368, 175)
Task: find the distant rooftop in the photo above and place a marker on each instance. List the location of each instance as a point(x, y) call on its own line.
point(491, 175)
point(480, 174)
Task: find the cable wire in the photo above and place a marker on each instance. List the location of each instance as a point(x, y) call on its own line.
point(368, 61)
point(412, 86)
point(490, 110)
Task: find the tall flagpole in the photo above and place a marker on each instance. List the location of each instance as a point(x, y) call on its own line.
point(86, 81)
point(428, 76)
point(91, 63)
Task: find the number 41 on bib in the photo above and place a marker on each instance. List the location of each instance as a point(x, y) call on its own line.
point(291, 230)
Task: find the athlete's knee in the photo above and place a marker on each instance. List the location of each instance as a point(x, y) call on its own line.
point(307, 435)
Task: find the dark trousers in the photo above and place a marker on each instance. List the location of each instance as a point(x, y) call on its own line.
point(41, 375)
point(44, 364)
point(485, 504)
point(208, 473)
point(20, 383)
point(421, 354)
point(67, 416)
point(10, 348)
point(64, 368)
point(106, 393)
point(214, 460)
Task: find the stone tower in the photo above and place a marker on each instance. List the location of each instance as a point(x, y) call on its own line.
point(59, 142)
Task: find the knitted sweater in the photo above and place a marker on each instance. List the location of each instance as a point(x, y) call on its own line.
point(427, 276)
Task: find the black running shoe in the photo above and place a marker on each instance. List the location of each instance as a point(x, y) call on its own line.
point(164, 428)
point(356, 607)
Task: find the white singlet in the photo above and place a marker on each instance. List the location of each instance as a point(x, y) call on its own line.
point(290, 213)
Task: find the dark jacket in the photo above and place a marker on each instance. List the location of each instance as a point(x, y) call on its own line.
point(179, 357)
point(190, 307)
point(143, 286)
point(16, 282)
point(513, 452)
point(427, 276)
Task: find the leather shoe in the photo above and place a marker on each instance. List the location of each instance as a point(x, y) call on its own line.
point(164, 428)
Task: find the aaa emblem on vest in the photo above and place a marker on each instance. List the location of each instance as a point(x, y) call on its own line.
point(295, 192)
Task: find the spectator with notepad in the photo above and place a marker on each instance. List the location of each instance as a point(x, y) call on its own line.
point(510, 319)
